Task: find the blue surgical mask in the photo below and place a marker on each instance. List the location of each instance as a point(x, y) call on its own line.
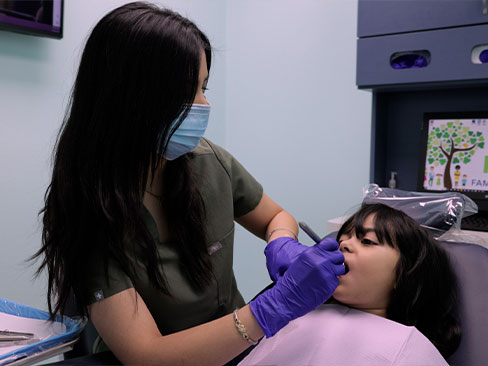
point(187, 136)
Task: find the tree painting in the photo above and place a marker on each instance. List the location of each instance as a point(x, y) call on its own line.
point(452, 143)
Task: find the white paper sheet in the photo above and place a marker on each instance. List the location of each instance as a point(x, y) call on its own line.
point(42, 329)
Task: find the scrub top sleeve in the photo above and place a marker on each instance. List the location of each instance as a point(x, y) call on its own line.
point(99, 287)
point(246, 190)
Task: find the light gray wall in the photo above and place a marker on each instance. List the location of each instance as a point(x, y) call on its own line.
point(294, 117)
point(284, 103)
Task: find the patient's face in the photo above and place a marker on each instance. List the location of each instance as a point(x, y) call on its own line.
point(368, 284)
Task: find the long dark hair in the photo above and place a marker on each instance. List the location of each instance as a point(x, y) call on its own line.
point(425, 291)
point(138, 73)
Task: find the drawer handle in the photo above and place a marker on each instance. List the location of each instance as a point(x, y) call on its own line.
point(479, 54)
point(410, 59)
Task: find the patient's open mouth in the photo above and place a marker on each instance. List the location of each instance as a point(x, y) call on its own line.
point(346, 268)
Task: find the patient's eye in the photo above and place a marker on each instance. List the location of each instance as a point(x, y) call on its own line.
point(368, 242)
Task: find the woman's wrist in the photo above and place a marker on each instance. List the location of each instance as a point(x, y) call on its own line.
point(246, 317)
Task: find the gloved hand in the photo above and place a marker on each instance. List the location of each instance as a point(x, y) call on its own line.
point(309, 282)
point(280, 253)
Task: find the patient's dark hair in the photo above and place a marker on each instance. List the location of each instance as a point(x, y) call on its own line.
point(425, 291)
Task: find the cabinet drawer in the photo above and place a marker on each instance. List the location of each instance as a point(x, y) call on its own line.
point(450, 57)
point(380, 17)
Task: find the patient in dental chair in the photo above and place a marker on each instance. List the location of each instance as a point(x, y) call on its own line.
point(394, 305)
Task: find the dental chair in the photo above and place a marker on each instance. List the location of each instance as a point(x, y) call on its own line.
point(470, 262)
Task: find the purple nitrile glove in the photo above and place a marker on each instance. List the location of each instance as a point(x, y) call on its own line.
point(309, 282)
point(280, 253)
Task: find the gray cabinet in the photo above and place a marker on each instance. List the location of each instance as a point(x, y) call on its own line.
point(380, 17)
point(447, 36)
point(449, 57)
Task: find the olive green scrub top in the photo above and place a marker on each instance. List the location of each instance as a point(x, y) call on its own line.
point(228, 191)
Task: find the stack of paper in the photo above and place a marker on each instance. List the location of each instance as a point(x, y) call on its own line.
point(48, 335)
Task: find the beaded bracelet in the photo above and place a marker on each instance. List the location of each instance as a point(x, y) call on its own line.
point(282, 228)
point(242, 329)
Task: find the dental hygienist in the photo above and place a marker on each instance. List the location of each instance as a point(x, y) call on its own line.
point(139, 217)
